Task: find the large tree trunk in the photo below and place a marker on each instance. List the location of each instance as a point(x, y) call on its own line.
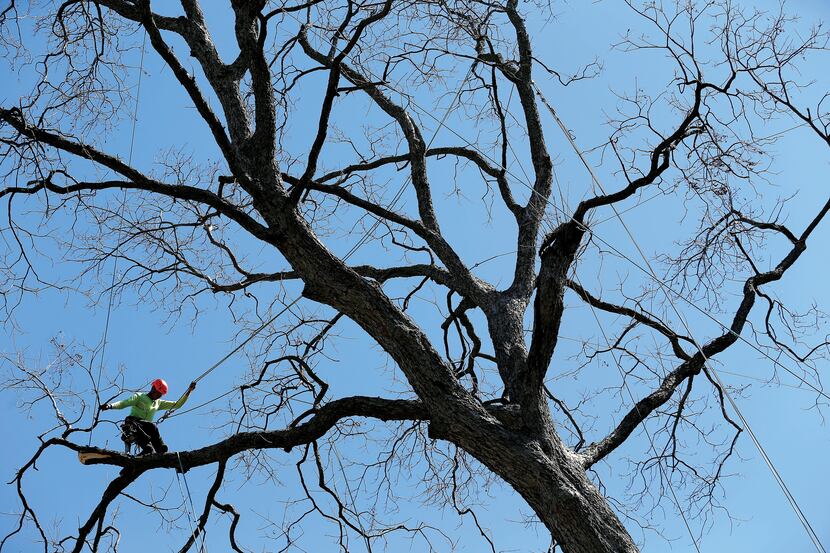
point(522, 446)
point(577, 515)
point(554, 484)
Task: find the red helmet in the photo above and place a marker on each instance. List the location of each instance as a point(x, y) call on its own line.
point(160, 386)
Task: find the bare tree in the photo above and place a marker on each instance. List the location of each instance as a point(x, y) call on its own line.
point(479, 396)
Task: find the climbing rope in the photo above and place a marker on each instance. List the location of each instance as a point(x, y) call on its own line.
point(232, 353)
point(191, 511)
point(120, 210)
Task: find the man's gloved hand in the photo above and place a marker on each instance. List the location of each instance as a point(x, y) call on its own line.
point(105, 406)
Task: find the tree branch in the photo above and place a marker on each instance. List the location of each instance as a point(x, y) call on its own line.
point(638, 316)
point(323, 420)
point(697, 362)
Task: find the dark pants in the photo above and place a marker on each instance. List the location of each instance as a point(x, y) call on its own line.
point(145, 434)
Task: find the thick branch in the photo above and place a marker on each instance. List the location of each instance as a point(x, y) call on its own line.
point(193, 29)
point(660, 160)
point(324, 419)
point(251, 31)
point(118, 485)
point(559, 248)
point(181, 192)
point(534, 211)
point(548, 306)
point(434, 273)
point(188, 82)
point(471, 155)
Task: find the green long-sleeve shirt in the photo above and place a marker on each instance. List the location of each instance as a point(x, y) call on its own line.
point(145, 408)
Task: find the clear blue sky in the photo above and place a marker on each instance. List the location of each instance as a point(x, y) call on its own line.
point(146, 344)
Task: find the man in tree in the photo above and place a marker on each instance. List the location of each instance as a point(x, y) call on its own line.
point(139, 422)
point(252, 204)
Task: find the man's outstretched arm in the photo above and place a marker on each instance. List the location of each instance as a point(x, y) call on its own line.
point(165, 405)
point(129, 402)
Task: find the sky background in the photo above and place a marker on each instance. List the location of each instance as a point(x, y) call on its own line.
point(147, 344)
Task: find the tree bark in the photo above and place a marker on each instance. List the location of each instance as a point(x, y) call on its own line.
point(528, 454)
point(555, 485)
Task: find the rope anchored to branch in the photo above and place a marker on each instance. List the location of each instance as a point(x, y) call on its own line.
point(235, 350)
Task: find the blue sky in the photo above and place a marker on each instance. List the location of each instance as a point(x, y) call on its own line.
point(147, 344)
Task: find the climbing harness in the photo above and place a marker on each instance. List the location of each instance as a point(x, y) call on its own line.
point(129, 434)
